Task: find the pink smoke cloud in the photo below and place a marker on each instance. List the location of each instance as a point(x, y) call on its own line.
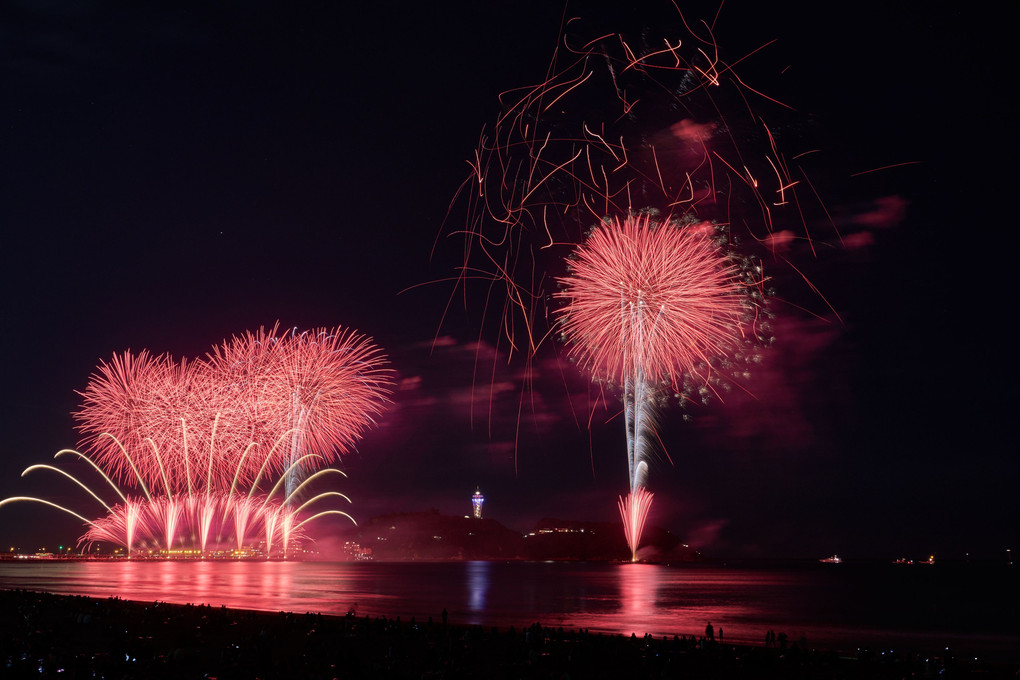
point(885, 212)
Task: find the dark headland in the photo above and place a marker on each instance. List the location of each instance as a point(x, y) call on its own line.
point(431, 535)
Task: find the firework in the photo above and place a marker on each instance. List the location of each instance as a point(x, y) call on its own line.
point(320, 390)
point(650, 300)
point(648, 304)
point(634, 509)
point(195, 443)
point(254, 406)
point(660, 121)
point(200, 522)
point(224, 524)
point(138, 406)
point(657, 119)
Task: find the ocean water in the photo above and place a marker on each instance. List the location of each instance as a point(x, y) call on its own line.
point(970, 608)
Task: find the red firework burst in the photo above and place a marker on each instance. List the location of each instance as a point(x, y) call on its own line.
point(217, 522)
point(209, 425)
point(628, 117)
point(651, 301)
point(147, 417)
point(634, 508)
point(323, 388)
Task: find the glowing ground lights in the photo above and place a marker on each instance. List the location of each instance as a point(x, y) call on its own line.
point(227, 450)
point(653, 306)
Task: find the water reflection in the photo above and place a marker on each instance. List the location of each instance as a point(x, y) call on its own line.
point(253, 585)
point(624, 598)
point(477, 585)
point(827, 606)
point(638, 586)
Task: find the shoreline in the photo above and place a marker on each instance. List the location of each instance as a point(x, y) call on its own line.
point(68, 636)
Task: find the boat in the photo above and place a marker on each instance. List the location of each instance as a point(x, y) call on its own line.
point(832, 559)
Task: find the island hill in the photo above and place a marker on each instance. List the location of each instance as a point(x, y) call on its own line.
point(433, 536)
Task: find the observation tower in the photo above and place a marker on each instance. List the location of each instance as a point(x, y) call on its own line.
point(476, 502)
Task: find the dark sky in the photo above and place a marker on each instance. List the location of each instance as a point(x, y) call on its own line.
point(175, 174)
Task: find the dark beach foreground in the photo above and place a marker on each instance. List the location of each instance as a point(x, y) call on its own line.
point(54, 636)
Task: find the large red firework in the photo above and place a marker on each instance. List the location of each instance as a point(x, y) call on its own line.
point(316, 391)
point(648, 302)
point(651, 301)
point(147, 417)
point(258, 403)
point(629, 117)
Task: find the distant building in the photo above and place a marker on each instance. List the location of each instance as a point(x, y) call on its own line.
point(476, 502)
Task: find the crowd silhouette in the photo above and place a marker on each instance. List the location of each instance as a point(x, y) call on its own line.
point(51, 636)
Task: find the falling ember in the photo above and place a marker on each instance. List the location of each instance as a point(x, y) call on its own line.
point(652, 305)
point(193, 442)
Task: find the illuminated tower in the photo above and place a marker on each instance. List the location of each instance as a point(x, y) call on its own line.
point(476, 502)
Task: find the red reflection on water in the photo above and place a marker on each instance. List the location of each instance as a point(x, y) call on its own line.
point(662, 601)
point(250, 585)
point(638, 586)
point(831, 607)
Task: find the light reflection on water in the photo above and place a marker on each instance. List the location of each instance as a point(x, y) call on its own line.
point(478, 586)
point(654, 599)
point(623, 598)
point(829, 607)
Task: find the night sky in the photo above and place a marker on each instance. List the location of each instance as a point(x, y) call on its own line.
point(174, 174)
